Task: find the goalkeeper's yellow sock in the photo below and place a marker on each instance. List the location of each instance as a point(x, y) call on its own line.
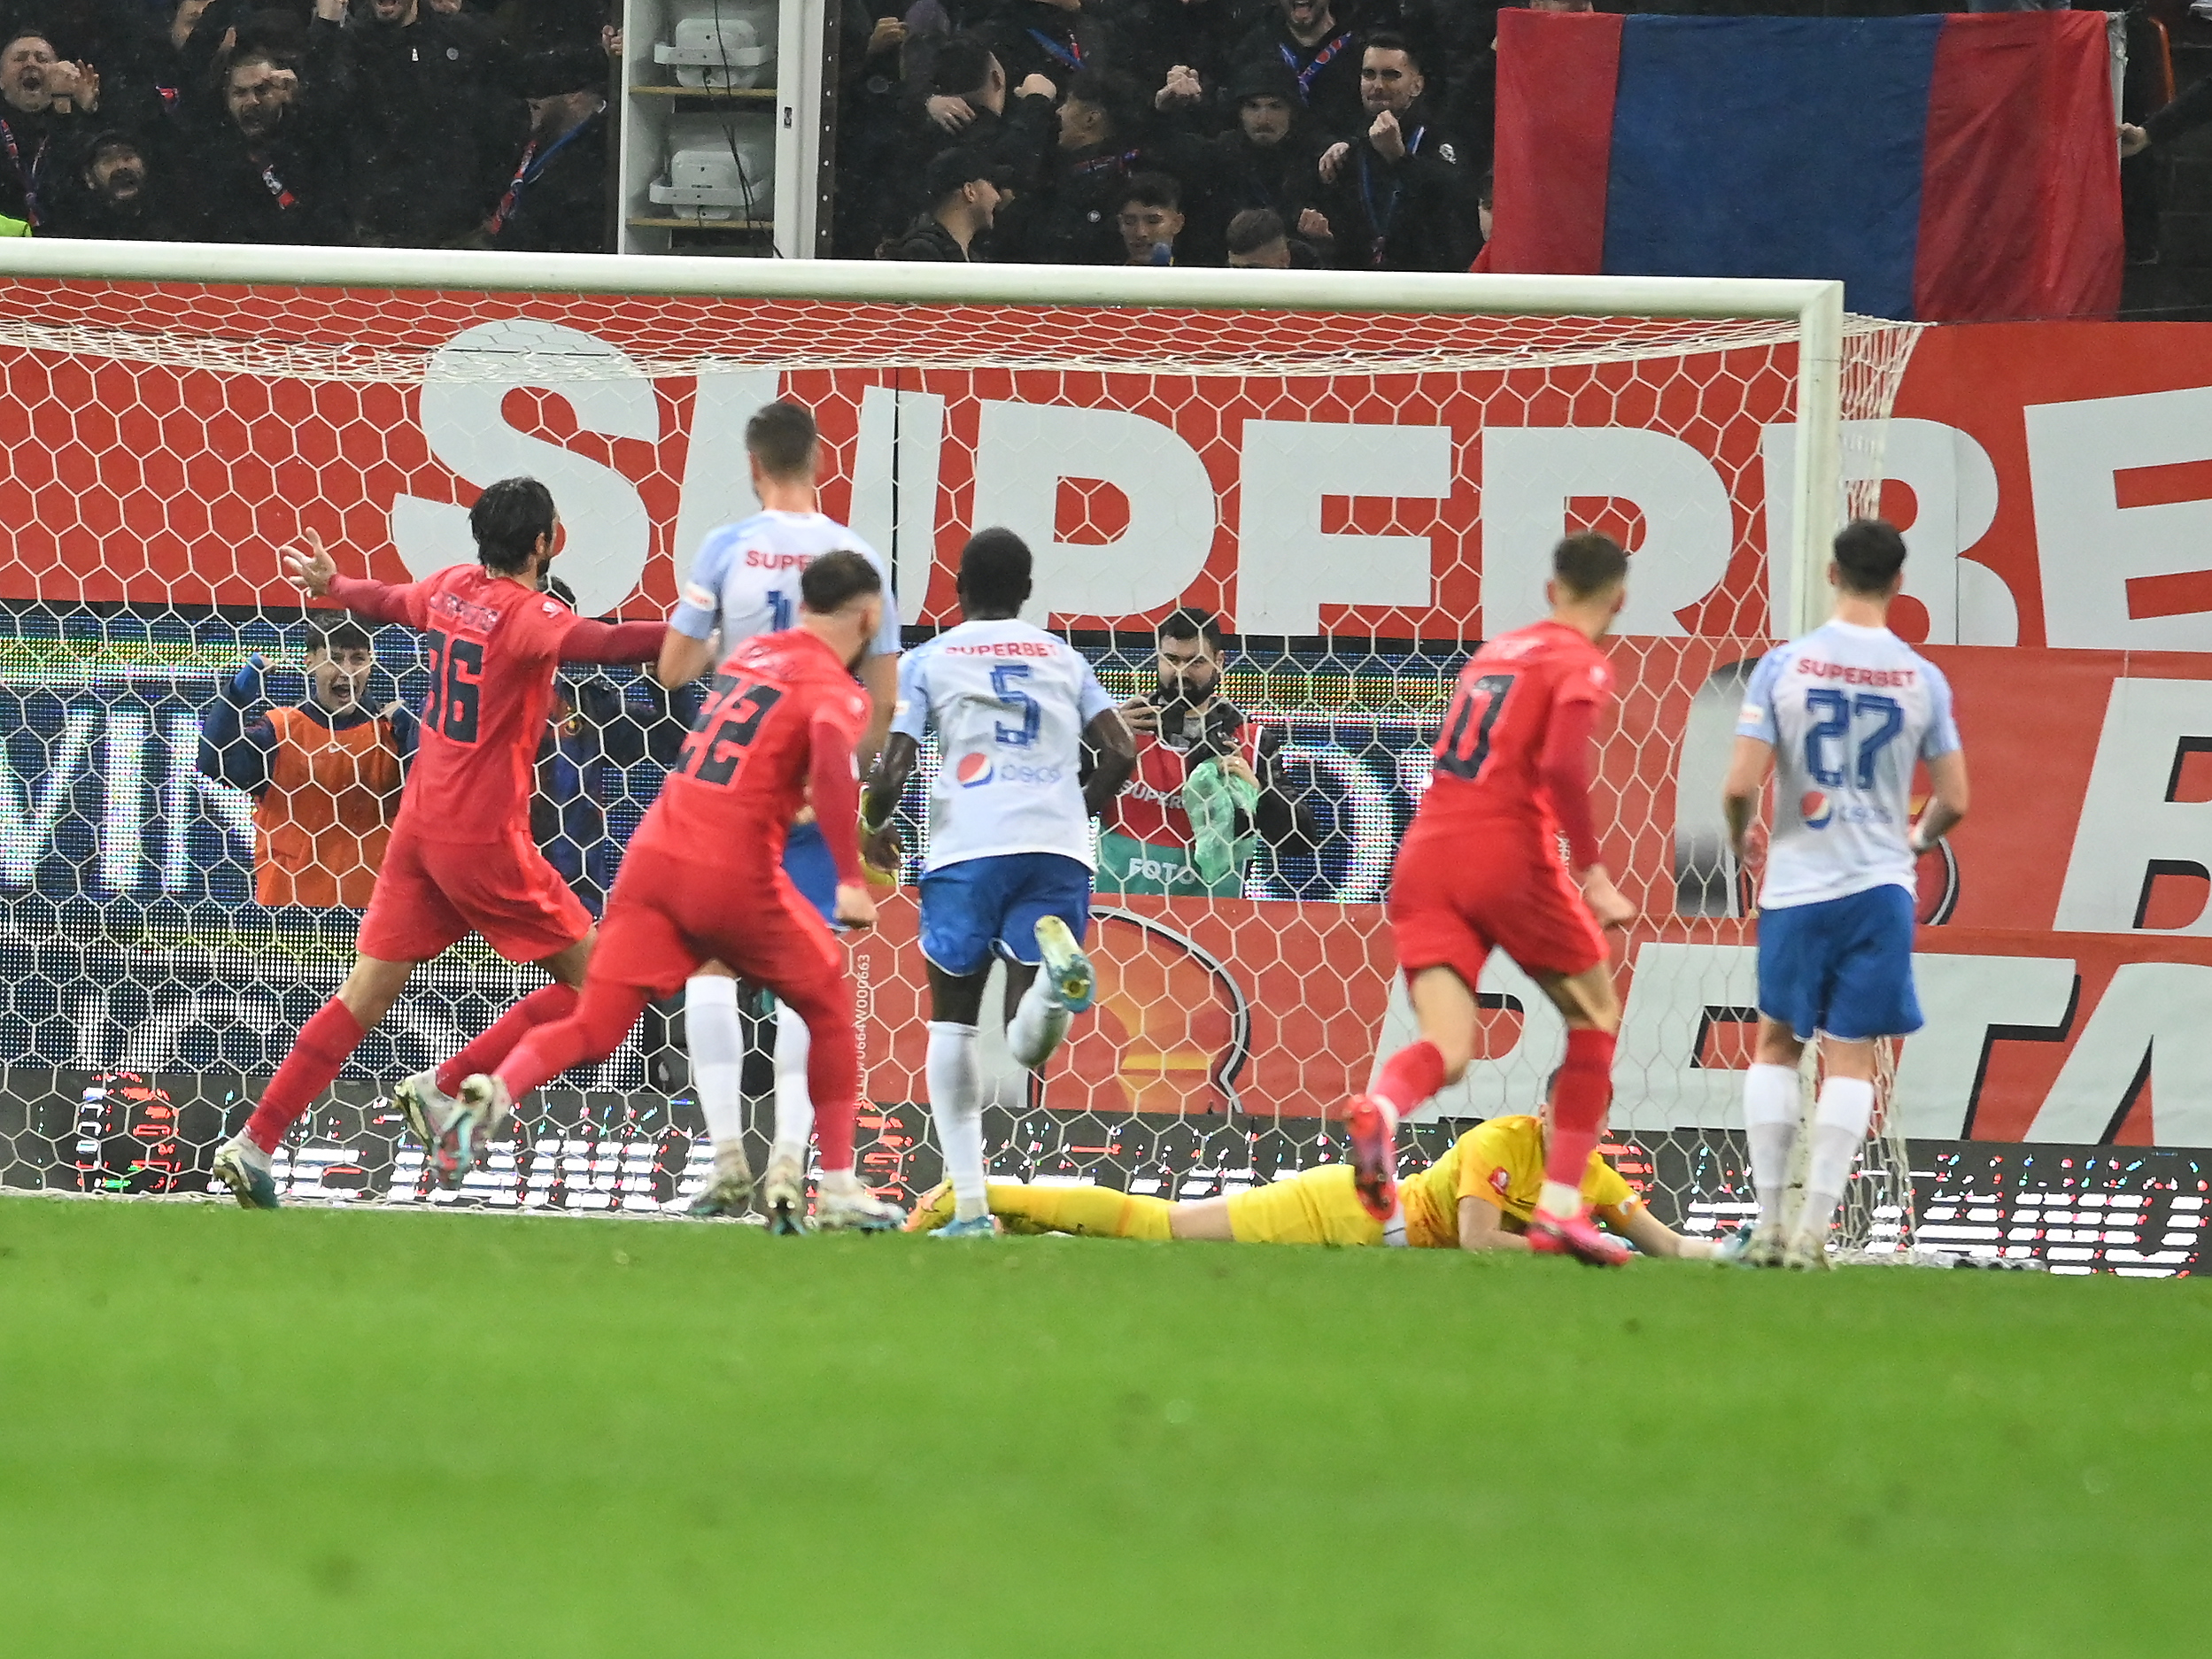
point(1093, 1212)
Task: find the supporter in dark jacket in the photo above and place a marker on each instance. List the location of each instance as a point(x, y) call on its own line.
point(1396, 199)
point(1267, 160)
point(118, 198)
point(1070, 221)
point(429, 119)
point(971, 107)
point(1321, 51)
point(44, 103)
point(963, 194)
point(556, 201)
point(267, 174)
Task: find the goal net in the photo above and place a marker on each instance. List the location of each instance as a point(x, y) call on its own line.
point(1361, 478)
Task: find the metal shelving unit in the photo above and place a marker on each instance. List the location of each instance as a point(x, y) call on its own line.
point(710, 166)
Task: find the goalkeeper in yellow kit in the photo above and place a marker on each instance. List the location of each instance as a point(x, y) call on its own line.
point(1478, 1196)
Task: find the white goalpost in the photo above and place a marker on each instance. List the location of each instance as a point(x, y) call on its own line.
point(1356, 470)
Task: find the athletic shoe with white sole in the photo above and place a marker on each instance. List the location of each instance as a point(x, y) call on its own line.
point(426, 1107)
point(974, 1227)
point(934, 1208)
point(728, 1192)
point(1805, 1253)
point(1374, 1156)
point(460, 1147)
point(1763, 1249)
point(1576, 1236)
point(1067, 969)
point(855, 1209)
point(782, 1195)
point(250, 1182)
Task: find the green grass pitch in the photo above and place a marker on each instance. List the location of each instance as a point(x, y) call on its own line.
point(319, 1433)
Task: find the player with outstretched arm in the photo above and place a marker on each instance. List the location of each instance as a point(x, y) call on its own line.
point(704, 877)
point(461, 858)
point(1481, 866)
point(1009, 867)
point(1842, 715)
point(1478, 1197)
point(746, 583)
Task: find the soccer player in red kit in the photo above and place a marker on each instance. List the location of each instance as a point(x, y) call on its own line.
point(704, 879)
point(1481, 866)
point(461, 858)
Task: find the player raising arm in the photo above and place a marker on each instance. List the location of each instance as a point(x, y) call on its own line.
point(461, 858)
point(704, 876)
point(1478, 1197)
point(1009, 869)
point(1842, 715)
point(746, 583)
point(1481, 866)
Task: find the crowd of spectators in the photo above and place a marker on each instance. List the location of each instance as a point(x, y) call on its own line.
point(1352, 134)
point(383, 123)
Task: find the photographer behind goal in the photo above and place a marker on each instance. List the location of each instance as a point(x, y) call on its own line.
point(1206, 788)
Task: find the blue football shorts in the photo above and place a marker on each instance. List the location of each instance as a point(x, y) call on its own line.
point(978, 906)
point(1843, 966)
point(813, 872)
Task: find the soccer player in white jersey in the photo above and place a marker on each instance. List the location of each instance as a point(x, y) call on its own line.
point(745, 582)
point(1843, 715)
point(1009, 860)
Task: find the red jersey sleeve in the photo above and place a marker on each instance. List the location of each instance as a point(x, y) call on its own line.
point(613, 642)
point(834, 781)
point(1564, 768)
point(379, 601)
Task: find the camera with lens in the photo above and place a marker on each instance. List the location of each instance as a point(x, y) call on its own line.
point(1199, 735)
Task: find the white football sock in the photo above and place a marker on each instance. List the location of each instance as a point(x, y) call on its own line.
point(1839, 1129)
point(716, 1042)
point(955, 1085)
point(794, 1106)
point(1770, 1122)
point(254, 1157)
point(1558, 1200)
point(1040, 1020)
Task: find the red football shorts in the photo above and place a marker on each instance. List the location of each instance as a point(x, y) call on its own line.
point(1460, 890)
point(432, 894)
point(666, 916)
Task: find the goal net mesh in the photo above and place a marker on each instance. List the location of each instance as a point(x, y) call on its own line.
point(1360, 497)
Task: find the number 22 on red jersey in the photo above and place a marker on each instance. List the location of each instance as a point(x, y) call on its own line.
point(715, 748)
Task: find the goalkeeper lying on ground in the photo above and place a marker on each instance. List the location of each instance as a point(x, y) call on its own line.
point(1478, 1196)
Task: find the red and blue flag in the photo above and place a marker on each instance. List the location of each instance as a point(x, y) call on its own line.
point(1947, 167)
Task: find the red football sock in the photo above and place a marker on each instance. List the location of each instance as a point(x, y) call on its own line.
point(832, 1068)
point(321, 1049)
point(602, 1018)
point(543, 1007)
point(1411, 1075)
point(1578, 1107)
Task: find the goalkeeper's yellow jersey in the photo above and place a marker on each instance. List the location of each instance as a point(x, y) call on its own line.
point(1501, 1161)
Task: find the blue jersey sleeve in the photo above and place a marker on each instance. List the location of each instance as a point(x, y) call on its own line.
point(1756, 718)
point(1942, 736)
point(912, 716)
point(699, 608)
point(1092, 698)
